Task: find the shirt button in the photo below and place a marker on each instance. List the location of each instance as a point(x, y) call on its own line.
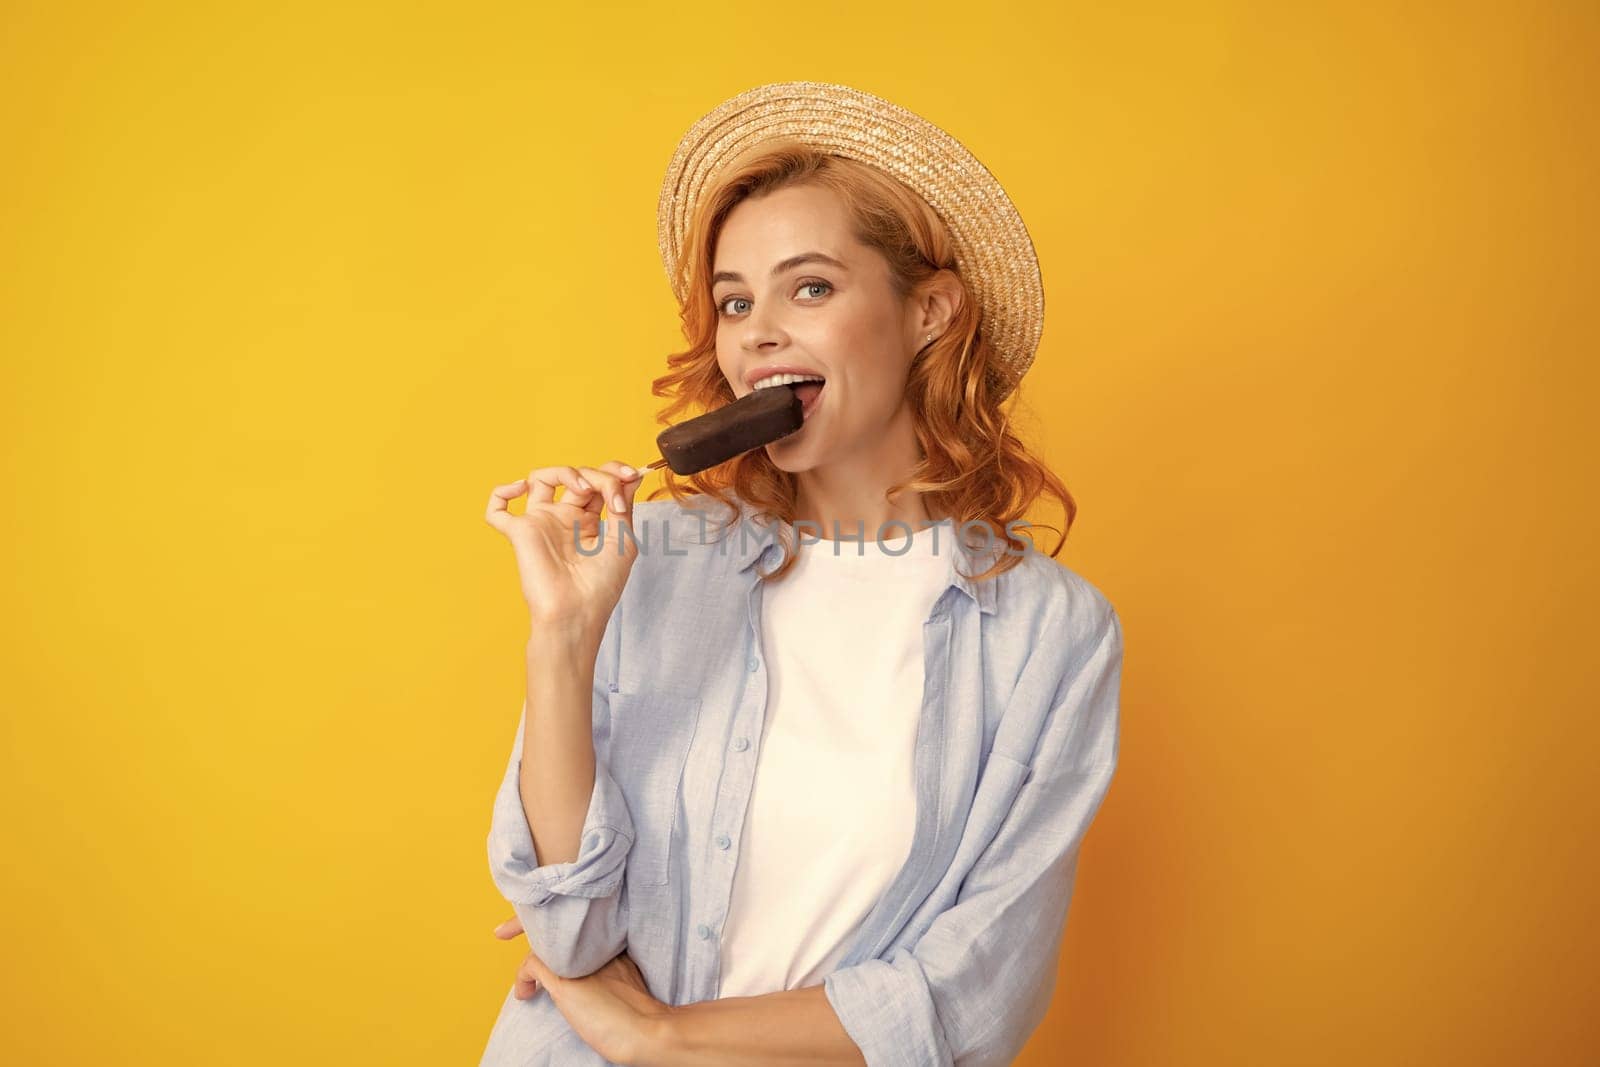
point(741, 743)
point(723, 841)
point(752, 664)
point(703, 930)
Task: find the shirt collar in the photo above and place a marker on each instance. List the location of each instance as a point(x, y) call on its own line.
point(755, 540)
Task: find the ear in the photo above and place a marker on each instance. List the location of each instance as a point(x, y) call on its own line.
point(938, 301)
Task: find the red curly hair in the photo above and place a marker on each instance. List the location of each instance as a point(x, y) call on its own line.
point(974, 470)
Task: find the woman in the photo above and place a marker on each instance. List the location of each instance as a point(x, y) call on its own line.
point(817, 745)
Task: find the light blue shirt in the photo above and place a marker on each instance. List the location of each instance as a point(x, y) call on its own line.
point(1015, 749)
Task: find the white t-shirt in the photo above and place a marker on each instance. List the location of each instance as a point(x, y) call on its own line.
point(842, 638)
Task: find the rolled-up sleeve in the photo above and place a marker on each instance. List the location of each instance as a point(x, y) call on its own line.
point(979, 981)
point(574, 913)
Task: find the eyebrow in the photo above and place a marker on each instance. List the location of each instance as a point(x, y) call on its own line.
point(788, 264)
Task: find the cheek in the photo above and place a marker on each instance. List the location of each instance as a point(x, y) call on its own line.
point(864, 342)
point(725, 361)
point(871, 350)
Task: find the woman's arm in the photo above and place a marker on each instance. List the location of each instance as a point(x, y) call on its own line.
point(561, 832)
point(556, 782)
point(794, 1027)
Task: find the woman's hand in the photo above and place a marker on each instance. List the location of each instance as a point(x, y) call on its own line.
point(565, 587)
point(611, 1009)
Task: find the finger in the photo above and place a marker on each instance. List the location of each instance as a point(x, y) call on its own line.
point(533, 968)
point(523, 984)
point(623, 471)
point(509, 929)
point(500, 499)
point(630, 489)
point(609, 484)
point(630, 479)
point(531, 976)
point(544, 481)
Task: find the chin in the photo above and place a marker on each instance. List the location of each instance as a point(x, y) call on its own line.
point(794, 461)
point(794, 457)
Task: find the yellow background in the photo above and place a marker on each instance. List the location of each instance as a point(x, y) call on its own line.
point(287, 290)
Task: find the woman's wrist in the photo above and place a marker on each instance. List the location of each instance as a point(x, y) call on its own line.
point(660, 1045)
point(563, 637)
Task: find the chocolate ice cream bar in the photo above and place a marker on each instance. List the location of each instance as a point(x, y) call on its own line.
point(755, 419)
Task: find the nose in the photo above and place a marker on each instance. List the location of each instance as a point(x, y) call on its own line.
point(761, 333)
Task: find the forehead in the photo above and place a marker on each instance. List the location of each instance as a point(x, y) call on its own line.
point(763, 230)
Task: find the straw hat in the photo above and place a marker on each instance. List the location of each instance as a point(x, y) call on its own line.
point(993, 251)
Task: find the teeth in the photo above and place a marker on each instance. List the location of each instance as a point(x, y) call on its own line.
point(787, 379)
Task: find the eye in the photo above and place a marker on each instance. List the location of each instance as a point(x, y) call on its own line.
point(808, 284)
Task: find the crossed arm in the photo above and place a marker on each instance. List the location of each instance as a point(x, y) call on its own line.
point(794, 1027)
point(971, 989)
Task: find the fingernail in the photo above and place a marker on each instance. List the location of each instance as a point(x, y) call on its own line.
point(619, 503)
point(583, 482)
point(627, 471)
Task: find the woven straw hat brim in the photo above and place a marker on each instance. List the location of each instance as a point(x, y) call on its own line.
point(993, 251)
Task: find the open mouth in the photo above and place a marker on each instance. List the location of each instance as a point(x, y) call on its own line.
point(808, 387)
